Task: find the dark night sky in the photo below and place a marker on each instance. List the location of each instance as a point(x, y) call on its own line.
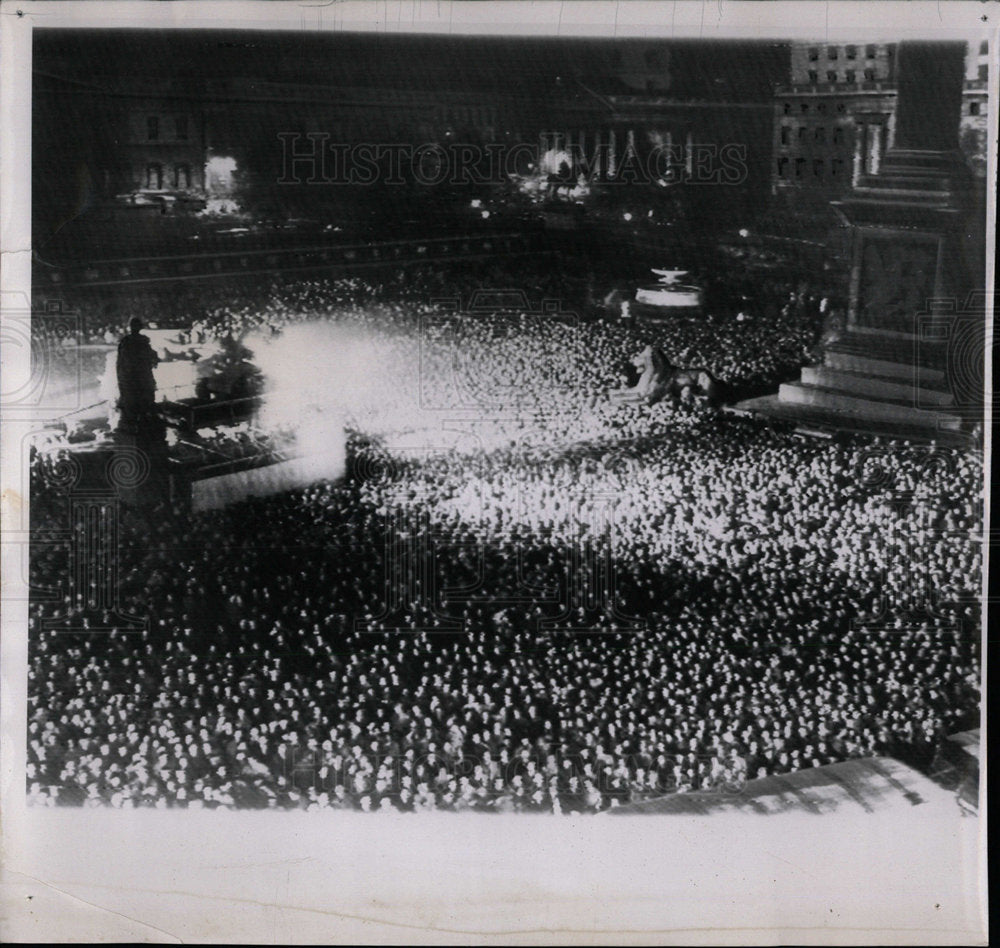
point(700, 69)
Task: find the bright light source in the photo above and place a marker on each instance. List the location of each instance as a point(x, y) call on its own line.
point(628, 216)
point(486, 214)
point(744, 232)
point(476, 202)
point(219, 171)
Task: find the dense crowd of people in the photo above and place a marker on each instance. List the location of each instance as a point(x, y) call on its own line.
point(522, 595)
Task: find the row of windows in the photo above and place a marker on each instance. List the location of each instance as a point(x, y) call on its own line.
point(850, 52)
point(155, 176)
point(871, 51)
point(802, 166)
point(180, 128)
point(819, 134)
point(850, 76)
point(821, 108)
point(871, 75)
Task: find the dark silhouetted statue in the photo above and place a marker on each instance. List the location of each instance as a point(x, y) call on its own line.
point(136, 384)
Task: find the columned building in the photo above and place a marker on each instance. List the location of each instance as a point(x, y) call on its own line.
point(164, 147)
point(835, 120)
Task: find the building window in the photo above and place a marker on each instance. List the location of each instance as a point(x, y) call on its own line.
point(838, 135)
point(850, 76)
point(984, 47)
point(154, 176)
point(852, 52)
point(799, 162)
point(831, 76)
point(831, 52)
point(182, 176)
point(841, 107)
point(782, 163)
point(788, 108)
point(181, 128)
point(813, 53)
point(805, 107)
point(784, 134)
point(821, 135)
point(152, 128)
point(835, 165)
point(870, 51)
point(869, 75)
point(983, 72)
point(973, 108)
point(821, 108)
point(802, 133)
point(818, 167)
point(813, 77)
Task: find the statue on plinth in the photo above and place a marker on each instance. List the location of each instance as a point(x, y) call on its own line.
point(136, 383)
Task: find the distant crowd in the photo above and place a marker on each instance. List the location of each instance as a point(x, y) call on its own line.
point(522, 596)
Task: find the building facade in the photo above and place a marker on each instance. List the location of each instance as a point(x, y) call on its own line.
point(835, 119)
point(164, 149)
point(975, 112)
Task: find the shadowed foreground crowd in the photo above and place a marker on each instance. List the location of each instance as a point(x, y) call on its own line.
point(553, 603)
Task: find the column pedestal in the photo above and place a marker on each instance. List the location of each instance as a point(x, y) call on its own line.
point(891, 370)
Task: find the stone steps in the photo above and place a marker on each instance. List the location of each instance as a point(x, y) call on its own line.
point(897, 347)
point(882, 409)
point(877, 386)
point(852, 361)
point(827, 421)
